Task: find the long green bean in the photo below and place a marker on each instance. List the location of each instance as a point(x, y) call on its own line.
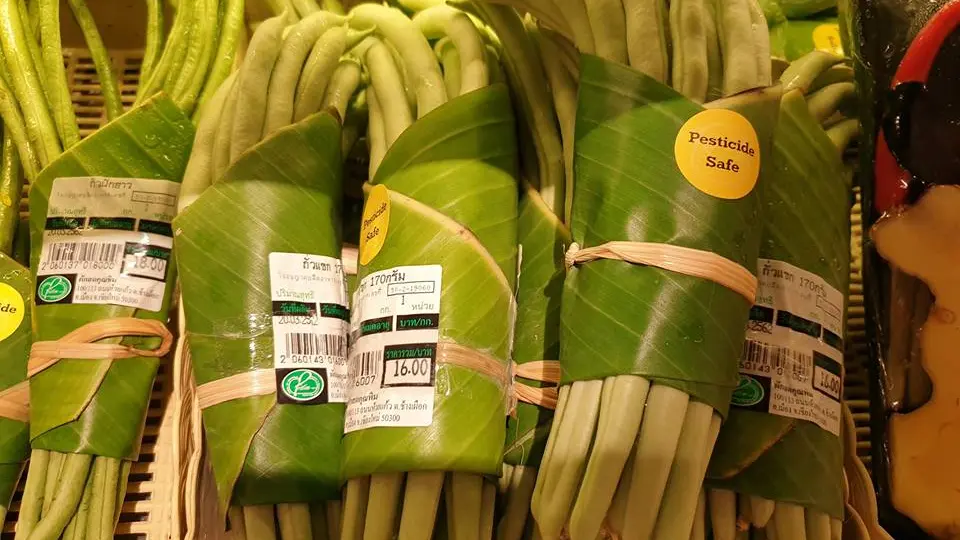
point(385, 491)
point(619, 422)
point(343, 84)
point(450, 62)
point(283, 84)
point(323, 60)
point(32, 502)
point(789, 522)
point(109, 88)
point(318, 523)
point(690, 58)
point(609, 27)
point(75, 471)
point(259, 522)
point(417, 54)
point(199, 55)
point(154, 39)
point(723, 513)
point(11, 189)
point(294, 521)
point(443, 20)
point(252, 85)
point(656, 446)
point(421, 498)
point(230, 33)
point(385, 79)
point(27, 86)
point(679, 504)
point(355, 501)
point(164, 66)
point(199, 173)
point(55, 75)
point(737, 43)
point(55, 470)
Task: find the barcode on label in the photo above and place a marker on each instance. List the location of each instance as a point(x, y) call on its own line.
point(369, 363)
point(309, 344)
point(83, 252)
point(796, 364)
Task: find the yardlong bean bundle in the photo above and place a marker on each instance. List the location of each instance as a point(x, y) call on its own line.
point(619, 408)
point(269, 151)
point(87, 416)
point(791, 467)
point(442, 169)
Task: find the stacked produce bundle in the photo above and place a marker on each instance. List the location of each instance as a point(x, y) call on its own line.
point(544, 91)
point(15, 298)
point(629, 445)
point(100, 254)
point(265, 300)
point(434, 309)
point(780, 449)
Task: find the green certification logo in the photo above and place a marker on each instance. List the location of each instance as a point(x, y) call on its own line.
point(54, 289)
point(749, 392)
point(302, 385)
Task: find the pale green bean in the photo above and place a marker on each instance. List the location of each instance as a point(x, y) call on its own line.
point(56, 77)
point(418, 57)
point(252, 85)
point(282, 91)
point(316, 75)
point(444, 20)
point(343, 84)
point(227, 49)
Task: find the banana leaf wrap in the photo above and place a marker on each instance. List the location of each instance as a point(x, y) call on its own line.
point(283, 195)
point(14, 353)
point(99, 406)
point(807, 224)
point(451, 179)
point(620, 318)
point(543, 239)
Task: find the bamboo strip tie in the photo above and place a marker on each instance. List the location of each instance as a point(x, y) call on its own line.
point(687, 261)
point(261, 382)
point(81, 344)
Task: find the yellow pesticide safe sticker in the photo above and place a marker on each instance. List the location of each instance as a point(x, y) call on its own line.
point(11, 310)
point(373, 227)
point(718, 152)
point(826, 37)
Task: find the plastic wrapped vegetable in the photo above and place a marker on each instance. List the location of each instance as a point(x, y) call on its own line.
point(265, 299)
point(434, 308)
point(780, 449)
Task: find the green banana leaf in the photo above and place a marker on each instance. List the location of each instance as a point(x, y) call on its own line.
point(283, 195)
point(777, 11)
point(97, 406)
point(543, 239)
point(621, 318)
point(795, 38)
point(453, 196)
point(14, 352)
point(806, 223)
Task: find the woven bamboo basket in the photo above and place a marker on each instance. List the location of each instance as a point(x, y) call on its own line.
point(151, 507)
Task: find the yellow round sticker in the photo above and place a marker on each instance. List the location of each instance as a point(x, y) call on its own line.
point(718, 152)
point(11, 310)
point(373, 227)
point(826, 37)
